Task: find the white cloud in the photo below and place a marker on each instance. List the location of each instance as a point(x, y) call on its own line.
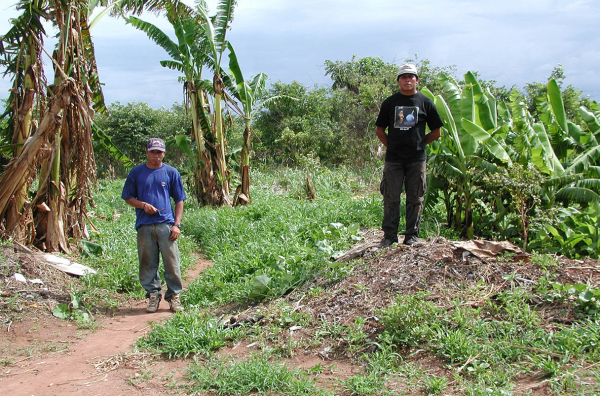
point(513, 41)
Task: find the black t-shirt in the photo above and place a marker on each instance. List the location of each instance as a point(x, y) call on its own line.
point(405, 118)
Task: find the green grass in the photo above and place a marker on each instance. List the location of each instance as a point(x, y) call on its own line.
point(497, 343)
point(187, 333)
point(277, 243)
point(263, 250)
point(257, 375)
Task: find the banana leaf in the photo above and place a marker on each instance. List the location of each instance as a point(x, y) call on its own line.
point(556, 104)
point(483, 137)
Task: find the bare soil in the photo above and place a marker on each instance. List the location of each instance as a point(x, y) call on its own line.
point(43, 355)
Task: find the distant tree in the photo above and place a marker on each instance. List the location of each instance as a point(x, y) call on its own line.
point(534, 94)
point(130, 126)
point(291, 129)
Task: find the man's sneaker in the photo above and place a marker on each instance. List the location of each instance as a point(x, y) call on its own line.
point(175, 303)
point(153, 302)
point(411, 240)
point(386, 242)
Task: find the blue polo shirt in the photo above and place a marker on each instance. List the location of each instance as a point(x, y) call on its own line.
point(156, 187)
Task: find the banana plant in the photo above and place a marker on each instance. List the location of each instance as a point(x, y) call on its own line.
point(468, 143)
point(60, 154)
point(251, 95)
point(215, 34)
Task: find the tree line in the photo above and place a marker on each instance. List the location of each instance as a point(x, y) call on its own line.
point(512, 163)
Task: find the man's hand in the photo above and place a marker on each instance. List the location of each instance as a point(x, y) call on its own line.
point(175, 231)
point(149, 209)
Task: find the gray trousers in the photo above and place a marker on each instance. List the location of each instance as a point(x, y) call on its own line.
point(151, 240)
point(411, 177)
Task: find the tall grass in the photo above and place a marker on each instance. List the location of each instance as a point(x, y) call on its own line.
point(281, 240)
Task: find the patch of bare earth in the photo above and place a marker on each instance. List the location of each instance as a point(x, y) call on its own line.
point(44, 355)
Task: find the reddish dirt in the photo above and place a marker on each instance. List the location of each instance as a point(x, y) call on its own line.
point(43, 355)
point(64, 360)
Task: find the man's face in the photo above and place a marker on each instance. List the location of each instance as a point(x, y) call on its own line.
point(408, 83)
point(155, 157)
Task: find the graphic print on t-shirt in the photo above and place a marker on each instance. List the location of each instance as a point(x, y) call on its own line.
point(406, 117)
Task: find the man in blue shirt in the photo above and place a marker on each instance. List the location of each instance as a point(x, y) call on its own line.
point(149, 188)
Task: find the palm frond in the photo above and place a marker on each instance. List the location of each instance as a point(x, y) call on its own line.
point(592, 184)
point(578, 194)
point(223, 21)
point(158, 36)
point(563, 180)
point(136, 7)
point(584, 160)
point(173, 65)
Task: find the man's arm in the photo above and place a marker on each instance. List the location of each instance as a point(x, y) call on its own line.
point(146, 207)
point(382, 135)
point(175, 231)
point(433, 135)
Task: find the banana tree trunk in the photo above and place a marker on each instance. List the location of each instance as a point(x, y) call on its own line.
point(22, 131)
point(20, 169)
point(244, 194)
point(220, 162)
point(56, 196)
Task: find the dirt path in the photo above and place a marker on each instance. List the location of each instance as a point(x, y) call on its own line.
point(101, 362)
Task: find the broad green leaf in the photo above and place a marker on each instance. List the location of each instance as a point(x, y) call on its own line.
point(451, 94)
point(425, 91)
point(555, 233)
point(104, 143)
point(590, 119)
point(578, 194)
point(158, 36)
point(551, 160)
point(183, 142)
point(556, 104)
point(584, 160)
point(89, 248)
point(260, 286)
point(483, 111)
point(483, 137)
point(467, 104)
point(62, 311)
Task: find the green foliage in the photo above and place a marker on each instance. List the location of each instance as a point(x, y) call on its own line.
point(74, 310)
point(585, 297)
point(372, 383)
point(255, 376)
point(408, 320)
point(187, 333)
point(518, 190)
point(500, 341)
point(275, 244)
point(289, 129)
point(130, 126)
point(573, 232)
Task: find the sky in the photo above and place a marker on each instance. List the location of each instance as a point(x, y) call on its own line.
point(512, 41)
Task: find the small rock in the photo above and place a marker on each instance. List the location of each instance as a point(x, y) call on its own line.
point(20, 278)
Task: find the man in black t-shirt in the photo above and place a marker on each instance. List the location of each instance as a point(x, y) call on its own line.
point(405, 115)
